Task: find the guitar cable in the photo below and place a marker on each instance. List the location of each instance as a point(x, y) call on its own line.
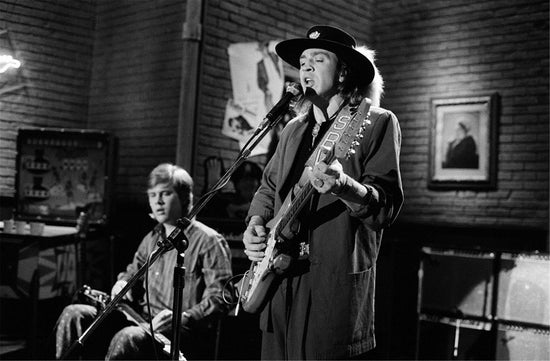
point(229, 285)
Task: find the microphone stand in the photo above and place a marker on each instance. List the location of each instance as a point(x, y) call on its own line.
point(177, 237)
point(178, 240)
point(164, 246)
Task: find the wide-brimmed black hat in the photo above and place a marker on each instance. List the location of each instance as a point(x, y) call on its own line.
point(332, 39)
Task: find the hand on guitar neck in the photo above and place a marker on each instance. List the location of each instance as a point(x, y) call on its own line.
point(331, 178)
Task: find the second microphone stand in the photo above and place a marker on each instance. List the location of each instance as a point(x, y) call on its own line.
point(176, 236)
point(178, 240)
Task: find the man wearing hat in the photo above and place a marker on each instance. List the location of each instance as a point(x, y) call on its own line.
point(323, 305)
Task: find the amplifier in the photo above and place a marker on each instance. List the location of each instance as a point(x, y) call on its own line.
point(444, 338)
point(522, 343)
point(456, 282)
point(524, 288)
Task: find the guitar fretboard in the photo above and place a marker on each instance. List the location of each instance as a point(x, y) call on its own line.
point(301, 198)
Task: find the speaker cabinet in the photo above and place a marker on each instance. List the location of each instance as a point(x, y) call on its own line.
point(456, 282)
point(522, 343)
point(440, 337)
point(524, 288)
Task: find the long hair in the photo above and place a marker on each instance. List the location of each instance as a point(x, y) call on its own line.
point(375, 90)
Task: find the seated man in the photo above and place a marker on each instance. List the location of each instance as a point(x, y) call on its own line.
point(208, 267)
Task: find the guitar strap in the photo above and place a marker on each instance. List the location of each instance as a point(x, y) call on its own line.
point(335, 132)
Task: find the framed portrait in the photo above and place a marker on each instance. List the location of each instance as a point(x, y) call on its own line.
point(463, 142)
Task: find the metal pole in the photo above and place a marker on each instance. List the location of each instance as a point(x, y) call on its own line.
point(189, 88)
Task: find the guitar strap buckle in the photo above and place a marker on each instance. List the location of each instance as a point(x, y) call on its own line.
point(304, 250)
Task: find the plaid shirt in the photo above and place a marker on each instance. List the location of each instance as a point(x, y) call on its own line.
point(207, 269)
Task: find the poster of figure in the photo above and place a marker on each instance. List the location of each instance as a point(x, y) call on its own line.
point(257, 82)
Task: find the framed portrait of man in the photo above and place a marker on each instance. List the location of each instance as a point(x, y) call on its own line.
point(463, 142)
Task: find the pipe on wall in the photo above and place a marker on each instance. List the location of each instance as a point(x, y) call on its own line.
point(189, 86)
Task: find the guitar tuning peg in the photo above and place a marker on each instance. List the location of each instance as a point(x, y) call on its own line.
point(360, 136)
point(351, 152)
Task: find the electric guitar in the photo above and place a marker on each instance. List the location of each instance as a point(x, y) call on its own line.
point(256, 287)
point(100, 299)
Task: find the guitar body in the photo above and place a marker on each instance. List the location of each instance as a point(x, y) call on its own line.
point(258, 284)
point(100, 299)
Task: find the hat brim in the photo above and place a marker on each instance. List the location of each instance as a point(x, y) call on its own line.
point(291, 50)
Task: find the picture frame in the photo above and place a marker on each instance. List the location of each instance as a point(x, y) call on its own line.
point(463, 142)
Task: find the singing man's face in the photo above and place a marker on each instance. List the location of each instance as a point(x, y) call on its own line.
point(319, 71)
point(165, 204)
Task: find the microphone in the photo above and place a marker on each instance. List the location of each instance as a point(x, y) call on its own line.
point(292, 90)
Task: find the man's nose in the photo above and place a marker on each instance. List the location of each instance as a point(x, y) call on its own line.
point(308, 65)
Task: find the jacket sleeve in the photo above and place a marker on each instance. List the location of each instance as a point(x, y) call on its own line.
point(263, 203)
point(379, 168)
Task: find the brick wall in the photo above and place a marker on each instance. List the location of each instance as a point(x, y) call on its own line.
point(53, 40)
point(425, 50)
point(236, 21)
point(459, 48)
point(135, 85)
point(134, 90)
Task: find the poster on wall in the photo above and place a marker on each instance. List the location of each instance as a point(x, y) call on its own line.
point(257, 81)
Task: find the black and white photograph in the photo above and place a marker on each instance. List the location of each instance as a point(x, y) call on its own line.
point(463, 142)
point(274, 180)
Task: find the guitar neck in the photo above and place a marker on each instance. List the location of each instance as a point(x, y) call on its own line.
point(140, 321)
point(302, 197)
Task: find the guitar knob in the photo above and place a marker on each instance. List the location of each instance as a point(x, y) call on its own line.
point(281, 263)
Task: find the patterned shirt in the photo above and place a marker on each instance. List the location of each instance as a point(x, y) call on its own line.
point(207, 263)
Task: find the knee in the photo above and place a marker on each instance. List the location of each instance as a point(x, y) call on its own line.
point(128, 334)
point(77, 311)
point(126, 343)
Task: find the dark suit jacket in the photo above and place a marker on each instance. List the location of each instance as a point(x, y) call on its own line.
point(344, 245)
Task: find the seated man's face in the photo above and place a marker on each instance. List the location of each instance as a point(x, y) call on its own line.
point(165, 204)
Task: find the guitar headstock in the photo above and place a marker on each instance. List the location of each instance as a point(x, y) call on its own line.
point(353, 132)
